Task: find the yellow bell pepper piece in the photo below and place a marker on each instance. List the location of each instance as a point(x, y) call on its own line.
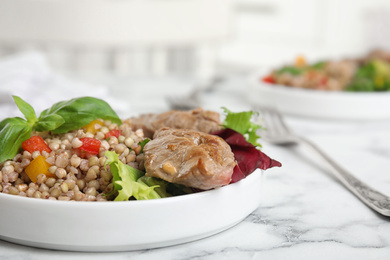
point(93, 126)
point(300, 61)
point(38, 166)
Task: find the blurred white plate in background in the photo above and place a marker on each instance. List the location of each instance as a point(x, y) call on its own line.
point(319, 104)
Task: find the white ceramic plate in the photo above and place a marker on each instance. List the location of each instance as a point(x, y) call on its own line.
point(129, 225)
point(320, 103)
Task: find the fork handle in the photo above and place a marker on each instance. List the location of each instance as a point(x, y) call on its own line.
point(372, 198)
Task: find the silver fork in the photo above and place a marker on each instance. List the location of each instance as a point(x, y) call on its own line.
point(277, 132)
point(191, 100)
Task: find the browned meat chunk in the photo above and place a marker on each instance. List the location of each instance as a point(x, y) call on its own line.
point(189, 157)
point(197, 119)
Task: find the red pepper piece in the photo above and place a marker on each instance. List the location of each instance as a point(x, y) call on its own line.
point(113, 132)
point(90, 145)
point(323, 81)
point(35, 143)
point(269, 79)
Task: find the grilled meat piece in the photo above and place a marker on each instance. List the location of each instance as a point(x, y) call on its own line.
point(197, 119)
point(190, 158)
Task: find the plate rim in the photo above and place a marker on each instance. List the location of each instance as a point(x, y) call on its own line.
point(257, 76)
point(318, 104)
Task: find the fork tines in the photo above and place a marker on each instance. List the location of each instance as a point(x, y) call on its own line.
point(275, 130)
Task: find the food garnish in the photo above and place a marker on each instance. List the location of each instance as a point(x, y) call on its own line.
point(132, 183)
point(125, 180)
point(248, 157)
point(143, 143)
point(240, 134)
point(241, 122)
point(62, 117)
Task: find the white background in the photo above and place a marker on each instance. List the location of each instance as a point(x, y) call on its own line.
point(157, 37)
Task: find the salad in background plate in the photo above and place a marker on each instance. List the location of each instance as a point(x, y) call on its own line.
point(370, 73)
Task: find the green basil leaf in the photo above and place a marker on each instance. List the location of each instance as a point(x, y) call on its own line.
point(13, 131)
point(319, 65)
point(26, 109)
point(290, 70)
point(48, 123)
point(78, 112)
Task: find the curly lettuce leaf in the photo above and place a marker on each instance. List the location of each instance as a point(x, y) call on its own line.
point(125, 180)
point(241, 122)
point(164, 188)
point(160, 185)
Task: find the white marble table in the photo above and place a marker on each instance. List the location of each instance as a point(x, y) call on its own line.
point(305, 212)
